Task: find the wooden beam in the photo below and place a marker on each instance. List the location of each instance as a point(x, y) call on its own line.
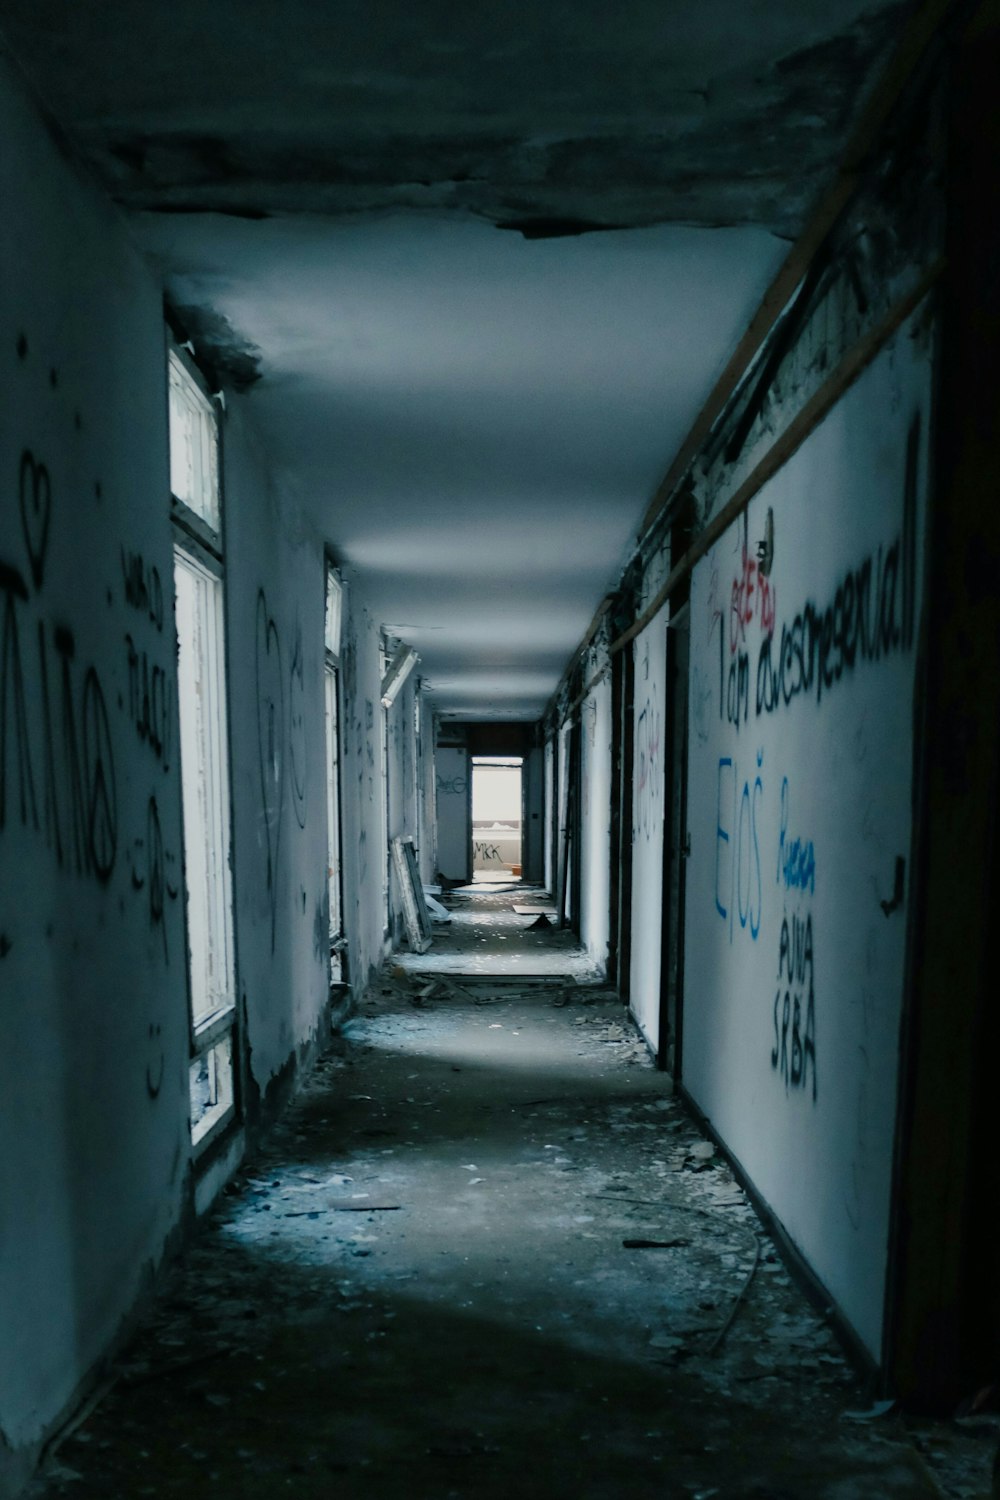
point(916, 38)
point(816, 408)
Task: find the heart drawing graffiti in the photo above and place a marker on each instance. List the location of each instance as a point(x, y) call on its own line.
point(270, 742)
point(297, 729)
point(36, 512)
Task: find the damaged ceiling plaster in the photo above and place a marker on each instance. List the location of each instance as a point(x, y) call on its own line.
point(380, 223)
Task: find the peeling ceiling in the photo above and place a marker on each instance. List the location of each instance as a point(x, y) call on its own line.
point(380, 220)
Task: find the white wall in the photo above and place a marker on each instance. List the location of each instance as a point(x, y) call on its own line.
point(595, 820)
point(94, 1019)
point(276, 580)
point(427, 794)
point(363, 808)
point(453, 802)
point(533, 851)
point(93, 995)
point(550, 819)
point(404, 773)
point(564, 816)
point(799, 805)
point(650, 651)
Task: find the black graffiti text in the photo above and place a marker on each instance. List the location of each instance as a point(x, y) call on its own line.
point(57, 767)
point(143, 588)
point(150, 702)
point(793, 1055)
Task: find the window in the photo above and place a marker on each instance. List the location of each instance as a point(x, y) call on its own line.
point(198, 590)
point(194, 462)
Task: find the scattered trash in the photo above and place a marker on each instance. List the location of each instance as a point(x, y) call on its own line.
point(664, 1190)
point(346, 1208)
point(669, 1342)
point(873, 1413)
point(64, 1474)
point(654, 1244)
point(175, 1366)
point(741, 1298)
point(437, 911)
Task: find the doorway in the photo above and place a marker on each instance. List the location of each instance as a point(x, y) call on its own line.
point(497, 817)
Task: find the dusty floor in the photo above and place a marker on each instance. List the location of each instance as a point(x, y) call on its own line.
point(427, 1285)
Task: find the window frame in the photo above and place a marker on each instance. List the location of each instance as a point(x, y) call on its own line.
point(334, 584)
point(200, 546)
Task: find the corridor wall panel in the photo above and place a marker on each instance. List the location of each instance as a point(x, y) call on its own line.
point(93, 992)
point(454, 826)
point(595, 821)
point(275, 574)
point(363, 808)
point(800, 784)
point(650, 650)
point(550, 817)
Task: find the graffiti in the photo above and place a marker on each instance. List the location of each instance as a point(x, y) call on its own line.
point(714, 606)
point(869, 617)
point(369, 746)
point(150, 862)
point(349, 666)
point(297, 729)
point(734, 686)
point(102, 807)
point(701, 704)
point(650, 775)
point(451, 786)
point(321, 930)
point(486, 852)
point(77, 769)
point(150, 702)
point(35, 495)
point(155, 1070)
point(737, 847)
point(142, 585)
point(13, 709)
point(794, 1047)
point(270, 744)
point(83, 781)
point(752, 596)
point(796, 857)
point(156, 881)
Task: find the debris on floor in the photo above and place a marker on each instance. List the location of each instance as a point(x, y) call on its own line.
point(486, 1252)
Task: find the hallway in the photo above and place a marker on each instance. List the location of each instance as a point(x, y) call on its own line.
point(391, 394)
point(422, 1287)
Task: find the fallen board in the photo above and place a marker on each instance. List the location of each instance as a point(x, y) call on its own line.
point(535, 911)
point(415, 915)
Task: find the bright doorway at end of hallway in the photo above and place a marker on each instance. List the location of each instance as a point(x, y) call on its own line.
point(496, 817)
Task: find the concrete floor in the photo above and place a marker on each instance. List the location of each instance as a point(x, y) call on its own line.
point(422, 1287)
